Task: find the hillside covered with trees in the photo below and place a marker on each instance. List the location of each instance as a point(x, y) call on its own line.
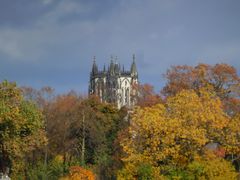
point(189, 130)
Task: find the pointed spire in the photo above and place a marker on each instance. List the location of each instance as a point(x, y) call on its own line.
point(134, 67)
point(94, 66)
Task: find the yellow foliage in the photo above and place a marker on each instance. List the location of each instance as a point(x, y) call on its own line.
point(210, 166)
point(172, 134)
point(59, 159)
point(232, 138)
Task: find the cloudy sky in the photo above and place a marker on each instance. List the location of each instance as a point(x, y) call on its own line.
point(52, 42)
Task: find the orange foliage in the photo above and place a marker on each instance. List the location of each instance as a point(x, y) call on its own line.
point(220, 152)
point(146, 95)
point(79, 173)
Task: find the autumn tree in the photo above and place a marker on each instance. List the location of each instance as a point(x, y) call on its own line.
point(145, 95)
point(61, 113)
point(171, 136)
point(21, 129)
point(220, 78)
point(41, 97)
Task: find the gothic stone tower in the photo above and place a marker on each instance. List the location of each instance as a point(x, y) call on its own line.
point(114, 85)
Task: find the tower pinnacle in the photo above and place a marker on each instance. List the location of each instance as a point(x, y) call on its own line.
point(94, 66)
point(134, 67)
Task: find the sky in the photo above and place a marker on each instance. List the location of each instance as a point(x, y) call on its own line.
point(52, 42)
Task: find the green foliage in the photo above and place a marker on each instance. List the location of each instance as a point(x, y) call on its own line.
point(53, 170)
point(178, 174)
point(56, 168)
point(104, 123)
point(144, 172)
point(39, 171)
point(195, 169)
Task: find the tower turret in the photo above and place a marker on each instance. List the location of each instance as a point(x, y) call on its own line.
point(112, 67)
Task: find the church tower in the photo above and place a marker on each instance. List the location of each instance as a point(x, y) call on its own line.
point(114, 84)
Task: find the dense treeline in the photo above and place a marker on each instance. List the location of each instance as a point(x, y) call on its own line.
point(190, 130)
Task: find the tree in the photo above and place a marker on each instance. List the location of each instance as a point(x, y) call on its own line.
point(145, 95)
point(220, 78)
point(21, 129)
point(83, 130)
point(40, 97)
point(60, 114)
point(102, 122)
point(170, 136)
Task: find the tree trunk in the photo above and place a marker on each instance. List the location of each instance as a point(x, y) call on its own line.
point(83, 140)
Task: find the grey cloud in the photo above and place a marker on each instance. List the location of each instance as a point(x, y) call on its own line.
point(67, 34)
